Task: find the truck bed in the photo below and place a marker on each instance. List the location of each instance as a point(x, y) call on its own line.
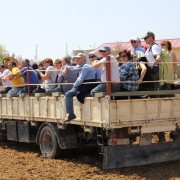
point(151, 114)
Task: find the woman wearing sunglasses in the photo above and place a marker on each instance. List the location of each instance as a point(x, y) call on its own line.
point(128, 72)
point(166, 67)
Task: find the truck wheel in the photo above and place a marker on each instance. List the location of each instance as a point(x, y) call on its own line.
point(48, 143)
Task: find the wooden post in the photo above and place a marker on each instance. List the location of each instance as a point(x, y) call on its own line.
point(108, 76)
point(28, 79)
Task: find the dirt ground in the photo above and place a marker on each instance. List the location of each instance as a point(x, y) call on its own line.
point(23, 161)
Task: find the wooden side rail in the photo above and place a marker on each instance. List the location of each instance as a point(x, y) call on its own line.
point(56, 94)
point(2, 95)
point(140, 93)
point(26, 94)
point(41, 94)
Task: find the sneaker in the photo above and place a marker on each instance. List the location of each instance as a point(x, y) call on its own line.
point(69, 118)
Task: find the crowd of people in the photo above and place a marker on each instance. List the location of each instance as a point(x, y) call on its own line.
point(150, 67)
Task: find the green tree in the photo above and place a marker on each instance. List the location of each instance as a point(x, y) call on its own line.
point(3, 53)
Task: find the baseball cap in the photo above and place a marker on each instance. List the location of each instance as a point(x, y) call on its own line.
point(105, 48)
point(135, 39)
point(148, 34)
point(94, 53)
point(80, 55)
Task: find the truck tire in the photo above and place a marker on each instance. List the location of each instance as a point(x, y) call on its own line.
point(48, 143)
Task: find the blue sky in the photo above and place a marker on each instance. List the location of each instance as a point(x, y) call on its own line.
point(52, 23)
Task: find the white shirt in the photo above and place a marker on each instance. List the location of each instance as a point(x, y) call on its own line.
point(152, 50)
point(51, 79)
point(6, 83)
point(114, 69)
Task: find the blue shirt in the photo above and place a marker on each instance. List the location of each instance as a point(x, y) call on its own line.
point(32, 74)
point(139, 48)
point(85, 73)
point(69, 77)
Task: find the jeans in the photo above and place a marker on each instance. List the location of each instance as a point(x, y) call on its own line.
point(14, 91)
point(25, 89)
point(69, 100)
point(57, 89)
point(102, 88)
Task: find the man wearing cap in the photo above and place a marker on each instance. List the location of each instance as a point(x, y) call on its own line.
point(93, 55)
point(153, 55)
point(137, 51)
point(106, 51)
point(85, 74)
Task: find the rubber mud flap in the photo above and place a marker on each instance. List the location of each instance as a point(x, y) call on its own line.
point(135, 155)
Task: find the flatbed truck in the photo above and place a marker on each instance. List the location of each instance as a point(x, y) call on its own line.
point(120, 125)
